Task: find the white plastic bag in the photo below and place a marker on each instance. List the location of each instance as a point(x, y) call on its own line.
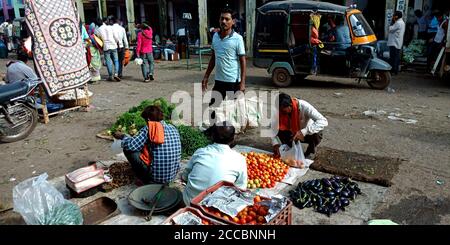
point(40, 203)
point(293, 156)
point(138, 61)
point(116, 147)
point(232, 111)
point(253, 110)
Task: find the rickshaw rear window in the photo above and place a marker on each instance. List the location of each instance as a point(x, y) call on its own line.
point(360, 27)
point(271, 28)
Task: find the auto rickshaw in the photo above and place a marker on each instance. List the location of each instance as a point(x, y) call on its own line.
point(284, 43)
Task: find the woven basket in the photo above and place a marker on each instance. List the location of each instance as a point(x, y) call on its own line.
point(76, 102)
point(71, 103)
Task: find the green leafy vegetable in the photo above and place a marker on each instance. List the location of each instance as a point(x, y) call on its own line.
point(131, 122)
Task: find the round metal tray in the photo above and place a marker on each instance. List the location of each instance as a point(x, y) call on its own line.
point(169, 198)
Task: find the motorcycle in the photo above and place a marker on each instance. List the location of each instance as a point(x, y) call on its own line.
point(18, 114)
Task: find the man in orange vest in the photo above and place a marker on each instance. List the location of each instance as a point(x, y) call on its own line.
point(298, 121)
point(155, 153)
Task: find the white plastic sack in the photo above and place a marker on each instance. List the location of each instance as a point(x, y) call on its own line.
point(253, 111)
point(40, 203)
point(292, 154)
point(116, 147)
point(138, 61)
point(234, 112)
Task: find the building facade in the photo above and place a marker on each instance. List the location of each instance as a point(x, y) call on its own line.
point(11, 9)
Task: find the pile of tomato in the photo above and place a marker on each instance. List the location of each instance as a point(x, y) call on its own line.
point(263, 170)
point(251, 215)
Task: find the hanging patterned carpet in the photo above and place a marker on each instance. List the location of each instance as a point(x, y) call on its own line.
point(58, 51)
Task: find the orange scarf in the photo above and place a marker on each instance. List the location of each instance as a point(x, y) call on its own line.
point(155, 136)
point(290, 122)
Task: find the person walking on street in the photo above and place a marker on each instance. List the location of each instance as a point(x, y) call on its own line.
point(438, 41)
point(96, 50)
point(110, 40)
point(144, 51)
point(228, 56)
point(123, 43)
point(395, 40)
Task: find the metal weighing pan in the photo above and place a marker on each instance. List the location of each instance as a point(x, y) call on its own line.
point(140, 197)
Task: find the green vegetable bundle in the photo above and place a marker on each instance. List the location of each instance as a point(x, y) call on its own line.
point(191, 140)
point(131, 122)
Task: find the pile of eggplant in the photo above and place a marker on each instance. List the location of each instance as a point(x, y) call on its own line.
point(326, 196)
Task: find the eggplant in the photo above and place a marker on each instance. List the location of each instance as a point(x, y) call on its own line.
point(333, 200)
point(330, 194)
point(309, 204)
point(320, 209)
point(338, 202)
point(336, 209)
point(329, 211)
point(345, 202)
point(345, 194)
point(326, 182)
point(319, 201)
point(304, 204)
point(335, 185)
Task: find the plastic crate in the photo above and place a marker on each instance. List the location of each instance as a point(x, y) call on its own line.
point(284, 217)
point(197, 212)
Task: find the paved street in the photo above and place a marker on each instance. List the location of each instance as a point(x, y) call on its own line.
point(420, 192)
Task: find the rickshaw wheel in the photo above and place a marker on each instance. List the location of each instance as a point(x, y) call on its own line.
point(379, 79)
point(281, 77)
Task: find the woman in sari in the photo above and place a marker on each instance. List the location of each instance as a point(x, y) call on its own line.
point(96, 59)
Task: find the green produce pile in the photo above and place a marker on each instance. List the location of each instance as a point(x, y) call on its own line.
point(66, 213)
point(415, 49)
point(191, 140)
point(131, 122)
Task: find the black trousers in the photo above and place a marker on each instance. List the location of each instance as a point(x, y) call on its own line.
point(121, 56)
point(223, 88)
point(313, 141)
point(142, 171)
point(394, 59)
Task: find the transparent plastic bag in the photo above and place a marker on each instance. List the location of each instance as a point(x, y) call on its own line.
point(40, 203)
point(293, 156)
point(116, 147)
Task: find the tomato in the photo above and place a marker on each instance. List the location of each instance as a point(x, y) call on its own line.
point(252, 214)
point(261, 219)
point(257, 199)
point(217, 213)
point(249, 218)
point(236, 219)
point(262, 211)
point(243, 221)
point(263, 170)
